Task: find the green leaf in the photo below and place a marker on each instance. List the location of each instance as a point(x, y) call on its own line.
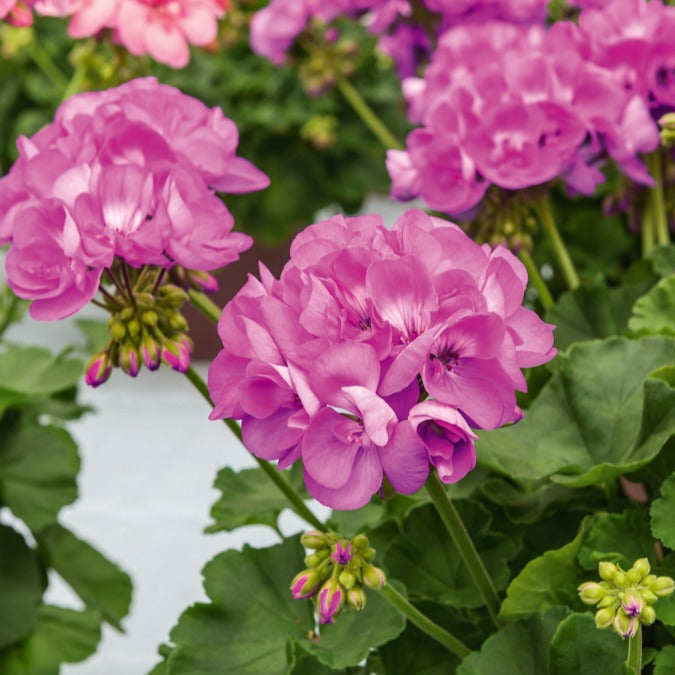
point(519, 649)
point(593, 311)
point(426, 559)
point(618, 538)
point(584, 427)
point(22, 583)
point(100, 583)
point(662, 509)
point(38, 470)
point(37, 372)
point(655, 311)
point(96, 333)
point(664, 664)
point(62, 636)
point(549, 580)
point(248, 499)
point(663, 260)
point(579, 647)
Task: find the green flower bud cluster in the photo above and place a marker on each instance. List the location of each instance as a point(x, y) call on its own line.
point(145, 327)
point(337, 571)
point(624, 600)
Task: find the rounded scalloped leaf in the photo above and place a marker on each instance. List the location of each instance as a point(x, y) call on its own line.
point(662, 510)
point(654, 312)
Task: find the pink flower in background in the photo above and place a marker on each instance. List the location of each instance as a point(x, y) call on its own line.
point(17, 12)
point(375, 353)
point(124, 179)
point(87, 17)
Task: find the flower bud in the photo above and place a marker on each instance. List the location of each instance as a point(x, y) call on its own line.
point(647, 596)
point(150, 353)
point(177, 321)
point(98, 369)
point(648, 615)
point(632, 604)
point(360, 542)
point(625, 626)
point(314, 559)
point(368, 554)
point(373, 577)
point(342, 552)
point(150, 317)
point(608, 601)
point(304, 584)
point(346, 579)
point(129, 360)
point(607, 570)
point(313, 539)
point(117, 329)
point(590, 593)
point(331, 598)
point(633, 576)
point(176, 355)
point(171, 296)
point(203, 280)
point(662, 587)
point(604, 617)
point(134, 328)
point(642, 566)
point(356, 597)
point(620, 581)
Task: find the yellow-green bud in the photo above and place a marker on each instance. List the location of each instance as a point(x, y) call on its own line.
point(633, 576)
point(662, 587)
point(609, 601)
point(313, 539)
point(373, 577)
point(356, 597)
point(127, 313)
point(648, 596)
point(604, 618)
point(619, 580)
point(591, 593)
point(624, 625)
point(134, 328)
point(117, 330)
point(347, 579)
point(171, 296)
point(150, 317)
point(368, 554)
point(667, 123)
point(607, 570)
point(313, 560)
point(177, 322)
point(360, 542)
point(647, 615)
point(642, 566)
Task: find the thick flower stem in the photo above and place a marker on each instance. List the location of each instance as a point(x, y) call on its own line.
point(297, 504)
point(543, 209)
point(535, 277)
point(424, 623)
point(205, 305)
point(657, 201)
point(634, 659)
point(366, 113)
point(462, 540)
point(10, 315)
point(44, 62)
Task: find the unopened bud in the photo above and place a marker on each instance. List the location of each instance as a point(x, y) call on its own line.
point(632, 605)
point(604, 617)
point(134, 328)
point(346, 579)
point(648, 596)
point(203, 280)
point(368, 554)
point(150, 353)
point(313, 539)
point(648, 615)
point(176, 356)
point(304, 584)
point(171, 296)
point(356, 597)
point(150, 317)
point(373, 577)
point(607, 570)
point(129, 360)
point(633, 576)
point(642, 566)
point(360, 542)
point(667, 123)
point(98, 369)
point(608, 601)
point(330, 601)
point(314, 559)
point(591, 593)
point(625, 626)
point(662, 587)
point(177, 322)
point(127, 314)
point(620, 581)
point(117, 329)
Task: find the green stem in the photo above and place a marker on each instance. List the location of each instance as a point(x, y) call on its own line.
point(647, 228)
point(543, 208)
point(424, 623)
point(8, 318)
point(366, 113)
point(205, 305)
point(535, 277)
point(296, 501)
point(658, 204)
point(634, 658)
point(462, 540)
point(43, 61)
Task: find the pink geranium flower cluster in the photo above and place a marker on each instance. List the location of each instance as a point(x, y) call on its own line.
point(126, 174)
point(274, 28)
point(161, 28)
point(516, 106)
point(375, 354)
point(17, 12)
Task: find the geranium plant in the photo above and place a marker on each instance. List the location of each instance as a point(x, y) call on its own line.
point(482, 393)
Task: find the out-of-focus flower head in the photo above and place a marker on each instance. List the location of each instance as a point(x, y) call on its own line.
point(375, 354)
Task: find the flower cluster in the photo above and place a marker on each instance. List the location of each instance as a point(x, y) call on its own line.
point(375, 353)
point(161, 28)
point(337, 570)
point(406, 32)
point(127, 174)
point(624, 599)
point(516, 106)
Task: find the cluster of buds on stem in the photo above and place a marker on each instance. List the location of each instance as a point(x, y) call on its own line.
point(146, 325)
point(624, 599)
point(337, 571)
